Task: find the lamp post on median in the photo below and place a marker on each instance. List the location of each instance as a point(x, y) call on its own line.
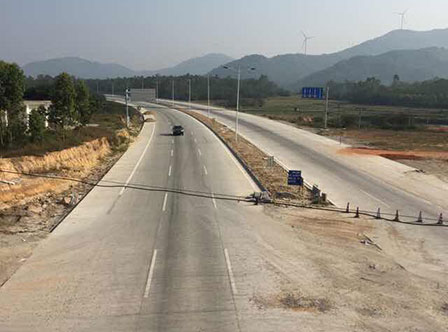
point(172, 91)
point(189, 93)
point(238, 71)
point(208, 95)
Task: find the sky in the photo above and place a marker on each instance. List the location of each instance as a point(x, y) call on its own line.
point(154, 34)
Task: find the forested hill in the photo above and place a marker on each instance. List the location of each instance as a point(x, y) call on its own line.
point(409, 65)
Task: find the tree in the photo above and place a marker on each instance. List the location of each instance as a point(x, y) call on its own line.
point(396, 80)
point(12, 87)
point(82, 102)
point(62, 111)
point(36, 124)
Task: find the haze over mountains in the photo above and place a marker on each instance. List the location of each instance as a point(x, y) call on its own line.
point(409, 65)
point(413, 55)
point(83, 68)
point(289, 70)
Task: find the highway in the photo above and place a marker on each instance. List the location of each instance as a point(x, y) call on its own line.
point(368, 182)
point(141, 260)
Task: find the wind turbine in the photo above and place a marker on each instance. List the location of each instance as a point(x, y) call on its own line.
point(403, 17)
point(305, 41)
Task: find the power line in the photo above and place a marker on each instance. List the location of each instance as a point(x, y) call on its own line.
point(143, 187)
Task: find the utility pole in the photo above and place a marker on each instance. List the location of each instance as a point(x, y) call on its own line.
point(359, 118)
point(237, 103)
point(189, 93)
point(157, 91)
point(172, 91)
point(97, 88)
point(143, 82)
point(128, 92)
point(326, 108)
point(113, 90)
point(208, 95)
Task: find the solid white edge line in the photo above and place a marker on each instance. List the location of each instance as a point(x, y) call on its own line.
point(150, 274)
point(214, 201)
point(199, 151)
point(164, 202)
point(205, 170)
point(138, 162)
point(229, 269)
point(169, 171)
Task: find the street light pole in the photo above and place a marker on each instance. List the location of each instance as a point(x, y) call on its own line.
point(127, 107)
point(172, 92)
point(237, 96)
point(189, 93)
point(237, 103)
point(326, 108)
point(208, 95)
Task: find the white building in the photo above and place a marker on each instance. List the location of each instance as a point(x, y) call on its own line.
point(34, 104)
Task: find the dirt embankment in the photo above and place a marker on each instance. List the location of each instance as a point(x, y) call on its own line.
point(31, 206)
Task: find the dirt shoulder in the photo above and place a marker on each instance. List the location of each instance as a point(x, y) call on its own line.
point(30, 207)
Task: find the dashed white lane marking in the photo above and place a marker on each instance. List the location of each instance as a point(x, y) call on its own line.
point(195, 140)
point(192, 133)
point(138, 163)
point(150, 274)
point(164, 202)
point(229, 269)
point(373, 197)
point(214, 201)
point(205, 170)
point(199, 151)
point(169, 171)
point(172, 152)
point(232, 157)
point(172, 141)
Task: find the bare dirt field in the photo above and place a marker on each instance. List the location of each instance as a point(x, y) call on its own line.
point(425, 150)
point(347, 274)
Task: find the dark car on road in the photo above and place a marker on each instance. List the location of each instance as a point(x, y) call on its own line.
point(178, 131)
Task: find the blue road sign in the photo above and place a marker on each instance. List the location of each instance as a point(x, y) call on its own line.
point(313, 93)
point(295, 178)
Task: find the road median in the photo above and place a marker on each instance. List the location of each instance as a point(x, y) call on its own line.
point(265, 171)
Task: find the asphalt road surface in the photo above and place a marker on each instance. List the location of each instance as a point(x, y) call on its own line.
point(141, 260)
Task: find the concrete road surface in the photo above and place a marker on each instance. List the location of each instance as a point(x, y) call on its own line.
point(142, 260)
point(370, 182)
point(151, 260)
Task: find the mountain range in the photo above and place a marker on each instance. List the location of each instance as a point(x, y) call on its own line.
point(413, 55)
point(290, 70)
point(83, 68)
point(409, 65)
